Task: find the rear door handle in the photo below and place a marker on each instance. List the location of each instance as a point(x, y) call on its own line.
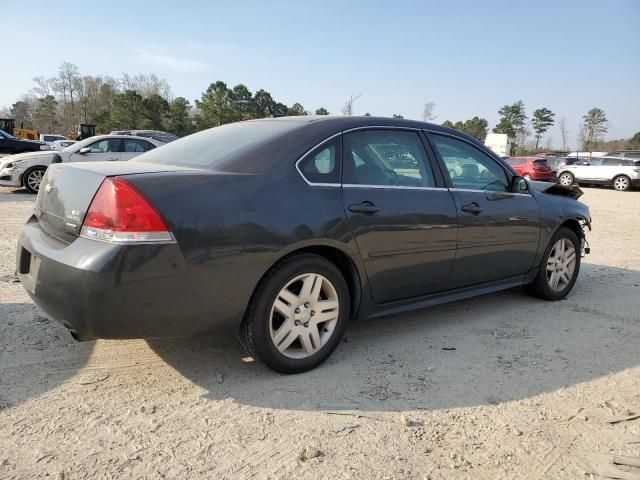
point(472, 208)
point(364, 207)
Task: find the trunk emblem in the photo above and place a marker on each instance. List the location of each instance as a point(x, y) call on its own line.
point(48, 187)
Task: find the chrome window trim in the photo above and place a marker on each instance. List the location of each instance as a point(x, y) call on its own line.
point(487, 191)
point(382, 127)
point(314, 184)
point(393, 187)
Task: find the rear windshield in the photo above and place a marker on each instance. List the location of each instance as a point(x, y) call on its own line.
point(222, 148)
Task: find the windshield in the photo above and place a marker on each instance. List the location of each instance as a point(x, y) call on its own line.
point(221, 148)
point(6, 135)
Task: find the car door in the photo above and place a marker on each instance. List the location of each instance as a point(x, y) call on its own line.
point(104, 149)
point(132, 147)
point(498, 230)
point(403, 218)
point(610, 168)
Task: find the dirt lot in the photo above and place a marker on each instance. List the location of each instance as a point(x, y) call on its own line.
point(527, 391)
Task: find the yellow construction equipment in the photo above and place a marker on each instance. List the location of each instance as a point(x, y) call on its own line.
point(8, 125)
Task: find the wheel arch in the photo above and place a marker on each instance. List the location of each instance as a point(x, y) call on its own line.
point(341, 259)
point(30, 169)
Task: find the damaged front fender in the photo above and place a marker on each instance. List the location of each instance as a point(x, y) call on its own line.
point(556, 189)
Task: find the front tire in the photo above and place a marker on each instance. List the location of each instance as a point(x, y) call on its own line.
point(297, 315)
point(566, 179)
point(32, 179)
point(559, 267)
point(526, 176)
point(622, 183)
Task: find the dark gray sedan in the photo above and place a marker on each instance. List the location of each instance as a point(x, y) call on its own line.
point(285, 229)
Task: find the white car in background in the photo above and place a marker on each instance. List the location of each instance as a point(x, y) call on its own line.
point(621, 173)
point(49, 138)
point(62, 144)
point(27, 169)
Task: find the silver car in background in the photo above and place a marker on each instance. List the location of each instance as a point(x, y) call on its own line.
point(620, 173)
point(27, 169)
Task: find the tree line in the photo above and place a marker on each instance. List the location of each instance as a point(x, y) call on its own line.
point(58, 104)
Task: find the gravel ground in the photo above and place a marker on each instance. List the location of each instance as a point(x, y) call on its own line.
point(501, 386)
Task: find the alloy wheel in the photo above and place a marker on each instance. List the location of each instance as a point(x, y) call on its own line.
point(561, 264)
point(304, 315)
point(566, 179)
point(621, 183)
point(35, 179)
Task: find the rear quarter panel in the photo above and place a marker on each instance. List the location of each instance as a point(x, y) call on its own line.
point(232, 228)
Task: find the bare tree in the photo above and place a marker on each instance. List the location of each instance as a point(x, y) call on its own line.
point(427, 112)
point(348, 105)
point(68, 75)
point(564, 132)
point(43, 87)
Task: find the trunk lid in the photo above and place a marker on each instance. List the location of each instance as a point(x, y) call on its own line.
point(67, 190)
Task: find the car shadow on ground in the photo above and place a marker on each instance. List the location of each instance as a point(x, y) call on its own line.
point(36, 354)
point(487, 350)
point(17, 195)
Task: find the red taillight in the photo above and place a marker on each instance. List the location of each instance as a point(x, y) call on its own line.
point(120, 213)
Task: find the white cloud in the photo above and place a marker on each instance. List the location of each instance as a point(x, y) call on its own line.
point(169, 62)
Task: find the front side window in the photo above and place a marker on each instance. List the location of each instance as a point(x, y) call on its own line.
point(108, 145)
point(386, 157)
point(468, 167)
point(323, 164)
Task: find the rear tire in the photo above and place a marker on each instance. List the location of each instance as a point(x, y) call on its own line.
point(566, 179)
point(622, 183)
point(559, 267)
point(297, 315)
point(32, 179)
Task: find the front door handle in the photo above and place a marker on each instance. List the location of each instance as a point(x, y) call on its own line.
point(472, 208)
point(364, 207)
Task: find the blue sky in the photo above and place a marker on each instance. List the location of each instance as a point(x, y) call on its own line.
point(469, 57)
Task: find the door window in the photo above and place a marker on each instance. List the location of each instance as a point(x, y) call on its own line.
point(611, 162)
point(137, 146)
point(322, 165)
point(107, 145)
point(386, 157)
point(468, 167)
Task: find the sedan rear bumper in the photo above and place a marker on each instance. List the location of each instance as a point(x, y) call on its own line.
point(100, 290)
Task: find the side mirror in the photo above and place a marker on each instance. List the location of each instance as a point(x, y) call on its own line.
point(519, 185)
point(84, 150)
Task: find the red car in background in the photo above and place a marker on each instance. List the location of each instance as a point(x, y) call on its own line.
point(532, 168)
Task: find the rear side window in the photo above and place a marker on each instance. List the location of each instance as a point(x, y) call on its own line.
point(322, 165)
point(611, 162)
point(386, 157)
point(133, 145)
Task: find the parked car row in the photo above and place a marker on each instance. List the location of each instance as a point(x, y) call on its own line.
point(27, 169)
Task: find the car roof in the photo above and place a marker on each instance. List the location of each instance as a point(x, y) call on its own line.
point(335, 124)
point(126, 137)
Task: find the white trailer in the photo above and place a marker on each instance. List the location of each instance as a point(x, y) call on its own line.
point(499, 143)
